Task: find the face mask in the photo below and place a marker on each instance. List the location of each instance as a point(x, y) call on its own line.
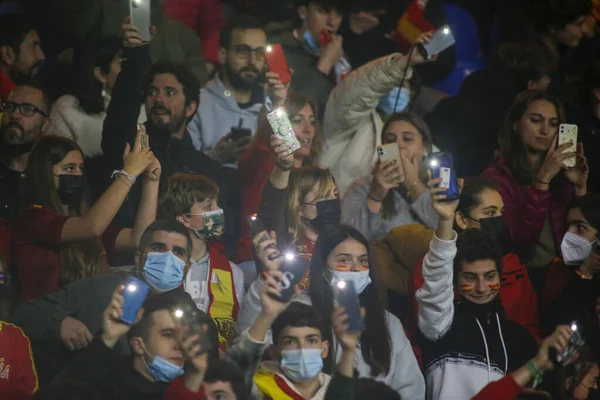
point(164, 271)
point(387, 103)
point(301, 365)
point(493, 227)
point(214, 224)
point(575, 249)
point(71, 189)
point(329, 212)
point(162, 370)
point(360, 279)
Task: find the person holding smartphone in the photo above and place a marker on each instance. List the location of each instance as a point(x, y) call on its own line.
point(534, 183)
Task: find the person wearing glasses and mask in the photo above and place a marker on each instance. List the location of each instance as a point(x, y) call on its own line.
point(24, 120)
point(234, 97)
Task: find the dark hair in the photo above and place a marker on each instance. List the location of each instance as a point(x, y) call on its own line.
point(191, 87)
point(79, 259)
point(512, 148)
point(376, 343)
point(35, 83)
point(13, 29)
point(241, 22)
point(72, 390)
point(555, 381)
point(388, 210)
point(327, 5)
point(474, 245)
point(166, 225)
point(371, 389)
point(590, 208)
point(226, 371)
point(524, 62)
point(590, 81)
point(87, 88)
point(470, 195)
point(297, 315)
point(557, 14)
point(183, 191)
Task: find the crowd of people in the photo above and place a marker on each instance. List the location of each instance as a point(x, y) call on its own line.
point(311, 270)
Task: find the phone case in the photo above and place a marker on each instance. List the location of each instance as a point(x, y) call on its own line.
point(238, 133)
point(282, 127)
point(134, 294)
point(442, 166)
point(567, 133)
point(346, 296)
point(256, 225)
point(187, 316)
point(277, 63)
point(140, 13)
point(441, 40)
point(389, 152)
point(576, 342)
point(293, 270)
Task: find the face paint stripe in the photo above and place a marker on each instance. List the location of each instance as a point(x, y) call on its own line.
point(466, 288)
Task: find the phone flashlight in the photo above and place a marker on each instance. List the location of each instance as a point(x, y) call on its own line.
point(574, 327)
point(137, 2)
point(446, 31)
point(433, 163)
point(178, 313)
point(131, 287)
point(268, 49)
point(289, 256)
point(341, 284)
point(280, 112)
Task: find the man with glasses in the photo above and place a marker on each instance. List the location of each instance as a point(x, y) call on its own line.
point(234, 97)
point(24, 120)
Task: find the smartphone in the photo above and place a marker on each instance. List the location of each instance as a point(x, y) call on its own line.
point(140, 13)
point(441, 166)
point(567, 133)
point(576, 342)
point(256, 225)
point(282, 127)
point(391, 152)
point(135, 293)
point(277, 63)
point(144, 136)
point(345, 296)
point(441, 40)
point(187, 316)
point(324, 37)
point(293, 269)
point(238, 133)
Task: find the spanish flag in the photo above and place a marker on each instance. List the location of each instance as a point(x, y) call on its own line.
point(412, 24)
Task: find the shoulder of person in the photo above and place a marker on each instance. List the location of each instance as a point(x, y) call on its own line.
point(66, 101)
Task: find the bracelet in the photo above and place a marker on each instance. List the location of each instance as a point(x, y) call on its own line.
point(580, 273)
point(127, 175)
point(374, 199)
point(537, 375)
point(545, 183)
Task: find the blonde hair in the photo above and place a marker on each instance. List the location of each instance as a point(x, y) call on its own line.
point(302, 181)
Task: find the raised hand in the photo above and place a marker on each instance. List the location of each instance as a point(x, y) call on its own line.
point(553, 162)
point(444, 209)
point(112, 327)
point(196, 360)
point(558, 340)
point(384, 179)
point(578, 175)
point(416, 57)
point(138, 160)
point(266, 250)
point(331, 54)
point(131, 33)
point(285, 157)
point(271, 291)
point(348, 340)
point(276, 90)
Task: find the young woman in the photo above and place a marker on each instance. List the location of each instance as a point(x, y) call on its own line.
point(256, 164)
point(385, 354)
point(58, 239)
point(573, 382)
point(377, 203)
point(533, 181)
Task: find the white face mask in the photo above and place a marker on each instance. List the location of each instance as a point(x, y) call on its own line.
point(575, 249)
point(361, 279)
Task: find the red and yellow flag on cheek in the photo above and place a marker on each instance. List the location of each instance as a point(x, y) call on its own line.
point(412, 24)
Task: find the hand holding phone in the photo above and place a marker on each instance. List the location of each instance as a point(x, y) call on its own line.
point(440, 41)
point(391, 153)
point(143, 135)
point(567, 133)
point(441, 166)
point(576, 342)
point(277, 62)
point(140, 13)
point(345, 296)
point(293, 268)
point(134, 294)
point(187, 316)
point(283, 129)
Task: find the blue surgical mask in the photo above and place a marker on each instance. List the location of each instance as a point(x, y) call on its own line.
point(162, 370)
point(164, 271)
point(361, 279)
point(311, 42)
point(387, 103)
point(301, 365)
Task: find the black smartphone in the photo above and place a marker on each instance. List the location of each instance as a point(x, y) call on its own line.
point(256, 225)
point(134, 294)
point(345, 296)
point(293, 269)
point(441, 166)
point(576, 342)
point(186, 316)
point(239, 133)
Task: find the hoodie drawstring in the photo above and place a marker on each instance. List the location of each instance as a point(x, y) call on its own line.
point(487, 352)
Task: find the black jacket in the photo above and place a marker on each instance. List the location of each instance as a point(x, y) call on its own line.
point(11, 185)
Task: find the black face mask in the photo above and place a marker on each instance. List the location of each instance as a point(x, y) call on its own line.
point(329, 212)
point(71, 189)
point(11, 150)
point(493, 227)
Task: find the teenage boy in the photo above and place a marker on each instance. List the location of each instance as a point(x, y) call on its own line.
point(470, 342)
point(215, 283)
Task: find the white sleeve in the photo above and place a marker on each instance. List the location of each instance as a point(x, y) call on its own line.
point(436, 296)
point(250, 306)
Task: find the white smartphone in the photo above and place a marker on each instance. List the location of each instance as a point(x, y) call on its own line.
point(391, 152)
point(140, 13)
point(441, 40)
point(567, 133)
point(282, 127)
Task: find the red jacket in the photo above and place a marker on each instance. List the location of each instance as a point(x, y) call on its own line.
point(204, 17)
point(504, 389)
point(6, 86)
point(18, 377)
point(526, 208)
point(178, 391)
point(254, 168)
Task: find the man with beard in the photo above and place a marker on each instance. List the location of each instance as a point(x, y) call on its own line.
point(235, 96)
point(20, 53)
point(170, 99)
point(24, 120)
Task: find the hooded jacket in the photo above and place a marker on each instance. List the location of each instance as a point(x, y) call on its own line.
point(466, 346)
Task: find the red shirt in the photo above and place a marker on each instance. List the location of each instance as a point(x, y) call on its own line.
point(504, 389)
point(18, 377)
point(36, 248)
point(178, 391)
point(6, 86)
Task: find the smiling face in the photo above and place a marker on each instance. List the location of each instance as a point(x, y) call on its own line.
point(304, 125)
point(479, 281)
point(408, 138)
point(538, 126)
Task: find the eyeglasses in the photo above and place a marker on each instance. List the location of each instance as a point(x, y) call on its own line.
point(244, 51)
point(24, 108)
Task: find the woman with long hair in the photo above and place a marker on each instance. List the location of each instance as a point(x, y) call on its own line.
point(256, 164)
point(376, 203)
point(533, 180)
point(58, 238)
